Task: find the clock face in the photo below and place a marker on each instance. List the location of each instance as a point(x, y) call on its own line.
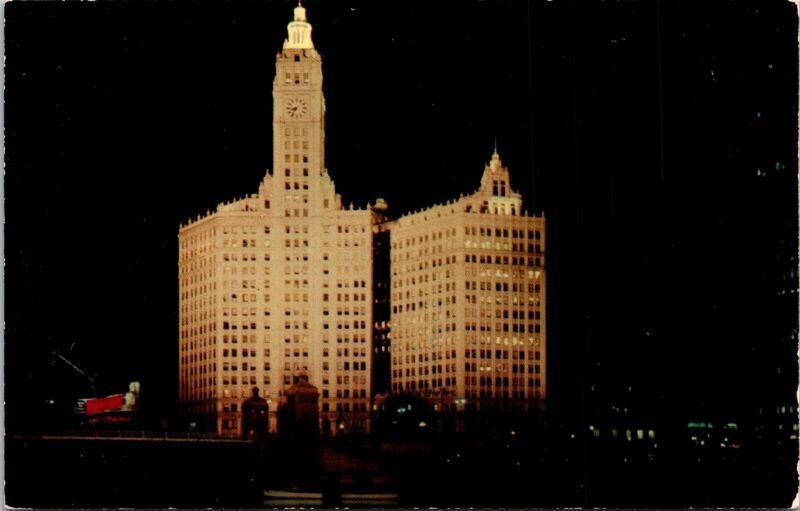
point(296, 108)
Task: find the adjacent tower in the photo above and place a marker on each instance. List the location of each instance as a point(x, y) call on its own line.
point(468, 301)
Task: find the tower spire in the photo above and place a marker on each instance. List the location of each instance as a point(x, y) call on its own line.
point(495, 161)
point(299, 30)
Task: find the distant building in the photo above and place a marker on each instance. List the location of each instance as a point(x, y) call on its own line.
point(468, 300)
point(280, 281)
point(381, 292)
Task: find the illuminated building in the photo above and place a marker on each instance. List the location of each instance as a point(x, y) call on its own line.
point(287, 281)
point(279, 282)
point(468, 300)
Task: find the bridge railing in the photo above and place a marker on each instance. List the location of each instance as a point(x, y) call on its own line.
point(171, 435)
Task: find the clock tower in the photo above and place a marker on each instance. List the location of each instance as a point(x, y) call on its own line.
point(319, 255)
point(290, 272)
point(298, 105)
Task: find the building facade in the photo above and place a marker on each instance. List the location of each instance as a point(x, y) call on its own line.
point(468, 301)
point(287, 283)
point(279, 283)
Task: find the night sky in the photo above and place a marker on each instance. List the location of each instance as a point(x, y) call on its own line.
point(658, 138)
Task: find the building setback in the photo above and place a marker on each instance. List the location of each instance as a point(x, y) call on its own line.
point(287, 283)
point(468, 300)
point(279, 283)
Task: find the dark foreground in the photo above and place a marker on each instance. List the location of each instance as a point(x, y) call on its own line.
point(507, 470)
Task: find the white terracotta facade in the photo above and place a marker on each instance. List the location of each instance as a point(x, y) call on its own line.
point(279, 283)
point(468, 300)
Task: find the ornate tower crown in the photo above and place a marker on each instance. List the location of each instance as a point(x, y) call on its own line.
point(299, 31)
point(495, 164)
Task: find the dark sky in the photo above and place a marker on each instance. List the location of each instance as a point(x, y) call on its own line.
point(658, 138)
